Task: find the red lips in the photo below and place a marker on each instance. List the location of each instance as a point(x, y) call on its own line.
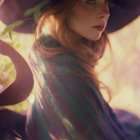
point(100, 27)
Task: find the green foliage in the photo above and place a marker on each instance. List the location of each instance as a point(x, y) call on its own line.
point(35, 10)
point(11, 27)
point(7, 71)
point(37, 13)
point(29, 12)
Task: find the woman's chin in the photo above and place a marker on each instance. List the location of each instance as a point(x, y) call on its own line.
point(94, 38)
point(91, 38)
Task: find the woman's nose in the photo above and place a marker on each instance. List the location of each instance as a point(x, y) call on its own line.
point(104, 11)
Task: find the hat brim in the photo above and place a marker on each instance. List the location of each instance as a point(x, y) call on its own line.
point(120, 16)
point(12, 11)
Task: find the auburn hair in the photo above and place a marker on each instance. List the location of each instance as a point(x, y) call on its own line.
point(56, 18)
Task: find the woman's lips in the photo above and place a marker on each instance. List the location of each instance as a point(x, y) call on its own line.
point(99, 28)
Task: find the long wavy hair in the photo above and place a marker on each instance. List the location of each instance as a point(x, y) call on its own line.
point(55, 19)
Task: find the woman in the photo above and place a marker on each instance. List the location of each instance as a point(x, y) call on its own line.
point(68, 103)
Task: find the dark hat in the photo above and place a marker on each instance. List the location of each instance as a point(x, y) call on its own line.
point(122, 13)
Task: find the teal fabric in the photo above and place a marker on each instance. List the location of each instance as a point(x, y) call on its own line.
point(69, 107)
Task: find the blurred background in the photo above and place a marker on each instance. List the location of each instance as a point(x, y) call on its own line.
point(119, 69)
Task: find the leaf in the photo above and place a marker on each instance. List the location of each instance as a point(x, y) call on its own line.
point(38, 8)
point(10, 35)
point(37, 13)
point(29, 12)
point(35, 10)
point(10, 27)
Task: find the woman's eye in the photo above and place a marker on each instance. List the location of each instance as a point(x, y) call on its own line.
point(109, 2)
point(91, 1)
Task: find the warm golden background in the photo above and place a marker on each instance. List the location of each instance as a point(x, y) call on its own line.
point(118, 69)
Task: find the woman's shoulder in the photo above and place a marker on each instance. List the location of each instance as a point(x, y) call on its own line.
point(65, 63)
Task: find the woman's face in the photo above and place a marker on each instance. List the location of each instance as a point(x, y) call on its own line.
point(89, 18)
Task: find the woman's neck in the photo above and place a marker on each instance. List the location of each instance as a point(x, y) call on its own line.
point(87, 42)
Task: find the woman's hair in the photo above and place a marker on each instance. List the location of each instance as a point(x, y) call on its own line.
point(55, 19)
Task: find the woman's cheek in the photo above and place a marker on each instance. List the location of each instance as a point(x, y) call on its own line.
point(82, 11)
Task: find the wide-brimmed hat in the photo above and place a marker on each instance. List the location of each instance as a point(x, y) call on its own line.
point(122, 13)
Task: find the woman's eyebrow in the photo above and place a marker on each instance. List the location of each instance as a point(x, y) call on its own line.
point(82, 0)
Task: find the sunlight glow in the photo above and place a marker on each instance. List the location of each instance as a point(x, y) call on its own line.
point(122, 75)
